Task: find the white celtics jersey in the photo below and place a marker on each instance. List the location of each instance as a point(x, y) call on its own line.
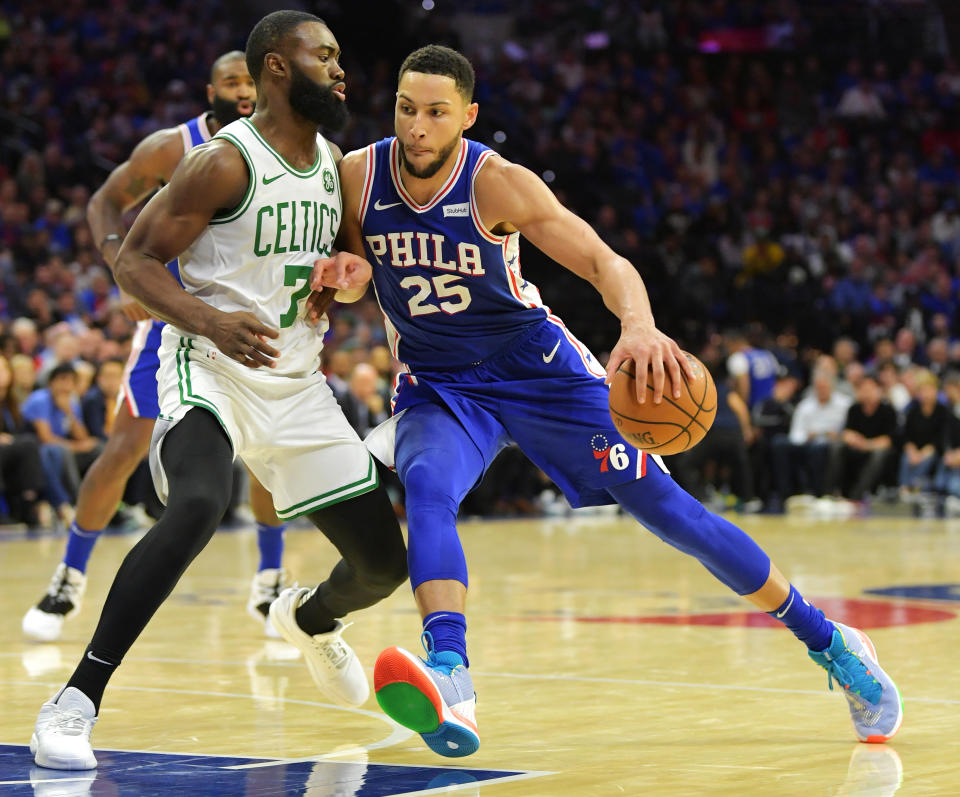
point(259, 256)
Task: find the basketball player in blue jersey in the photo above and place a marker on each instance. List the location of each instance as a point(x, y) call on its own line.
point(231, 94)
point(438, 219)
point(754, 371)
point(247, 214)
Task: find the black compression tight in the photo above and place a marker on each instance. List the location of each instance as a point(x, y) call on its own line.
point(197, 459)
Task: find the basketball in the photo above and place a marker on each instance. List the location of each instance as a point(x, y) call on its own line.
point(673, 425)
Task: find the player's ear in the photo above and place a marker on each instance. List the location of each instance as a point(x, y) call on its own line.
point(276, 65)
point(471, 115)
point(211, 93)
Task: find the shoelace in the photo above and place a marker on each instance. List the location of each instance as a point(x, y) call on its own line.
point(847, 676)
point(335, 649)
point(69, 722)
point(426, 639)
point(271, 591)
point(61, 589)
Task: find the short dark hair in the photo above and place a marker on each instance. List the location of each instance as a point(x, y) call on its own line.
point(268, 34)
point(226, 58)
point(63, 369)
point(435, 59)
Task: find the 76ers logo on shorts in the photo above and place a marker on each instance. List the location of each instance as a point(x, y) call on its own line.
point(615, 456)
point(601, 451)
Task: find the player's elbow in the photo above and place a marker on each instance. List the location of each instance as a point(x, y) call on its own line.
point(95, 206)
point(123, 272)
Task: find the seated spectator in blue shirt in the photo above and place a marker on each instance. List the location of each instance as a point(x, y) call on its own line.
point(99, 403)
point(66, 447)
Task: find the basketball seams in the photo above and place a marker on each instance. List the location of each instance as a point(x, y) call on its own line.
point(684, 419)
point(672, 403)
point(683, 430)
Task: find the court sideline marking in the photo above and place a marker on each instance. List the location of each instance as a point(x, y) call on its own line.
point(482, 674)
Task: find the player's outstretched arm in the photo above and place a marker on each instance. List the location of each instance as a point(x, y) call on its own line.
point(211, 177)
point(150, 165)
point(511, 198)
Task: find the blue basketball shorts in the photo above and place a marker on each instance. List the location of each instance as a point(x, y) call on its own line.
point(140, 374)
point(546, 394)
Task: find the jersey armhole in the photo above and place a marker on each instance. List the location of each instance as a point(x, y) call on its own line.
point(185, 138)
point(474, 212)
point(371, 168)
point(221, 217)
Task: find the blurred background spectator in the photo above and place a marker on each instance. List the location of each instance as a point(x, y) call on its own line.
point(785, 168)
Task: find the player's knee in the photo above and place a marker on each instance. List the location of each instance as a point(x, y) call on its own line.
point(426, 478)
point(675, 516)
point(203, 506)
point(385, 572)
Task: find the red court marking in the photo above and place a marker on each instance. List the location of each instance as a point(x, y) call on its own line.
point(853, 611)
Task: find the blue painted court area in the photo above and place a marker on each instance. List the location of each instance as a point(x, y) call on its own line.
point(929, 592)
point(144, 774)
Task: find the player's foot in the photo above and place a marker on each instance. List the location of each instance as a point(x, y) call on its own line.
point(61, 738)
point(333, 664)
point(44, 622)
point(435, 698)
point(264, 590)
point(874, 701)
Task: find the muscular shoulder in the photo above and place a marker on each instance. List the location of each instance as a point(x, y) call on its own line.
point(158, 154)
point(335, 151)
point(214, 174)
point(498, 174)
point(510, 196)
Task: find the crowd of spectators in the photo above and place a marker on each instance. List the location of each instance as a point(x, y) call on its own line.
point(806, 189)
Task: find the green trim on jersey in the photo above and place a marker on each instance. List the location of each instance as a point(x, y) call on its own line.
point(336, 172)
point(187, 396)
point(280, 159)
point(369, 482)
point(238, 211)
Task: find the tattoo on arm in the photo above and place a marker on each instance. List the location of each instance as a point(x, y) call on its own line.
point(137, 187)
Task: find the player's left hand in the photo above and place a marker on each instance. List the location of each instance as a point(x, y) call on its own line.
point(342, 272)
point(649, 348)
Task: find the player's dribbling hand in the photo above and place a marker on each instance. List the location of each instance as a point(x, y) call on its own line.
point(649, 348)
point(243, 337)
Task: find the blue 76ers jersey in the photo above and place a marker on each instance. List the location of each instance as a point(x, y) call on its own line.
point(451, 291)
point(193, 133)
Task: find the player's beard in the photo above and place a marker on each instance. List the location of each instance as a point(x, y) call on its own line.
point(225, 111)
point(426, 172)
point(316, 102)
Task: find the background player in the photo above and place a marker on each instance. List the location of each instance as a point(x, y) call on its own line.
point(247, 213)
point(232, 95)
point(439, 218)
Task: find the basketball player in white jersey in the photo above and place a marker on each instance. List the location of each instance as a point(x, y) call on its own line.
point(247, 214)
point(231, 94)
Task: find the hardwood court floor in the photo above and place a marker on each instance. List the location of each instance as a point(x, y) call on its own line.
point(605, 663)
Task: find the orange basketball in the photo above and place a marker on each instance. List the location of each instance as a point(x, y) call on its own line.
point(673, 425)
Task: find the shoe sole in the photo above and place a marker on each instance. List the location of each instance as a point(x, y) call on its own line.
point(408, 695)
point(62, 764)
point(46, 637)
point(878, 738)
